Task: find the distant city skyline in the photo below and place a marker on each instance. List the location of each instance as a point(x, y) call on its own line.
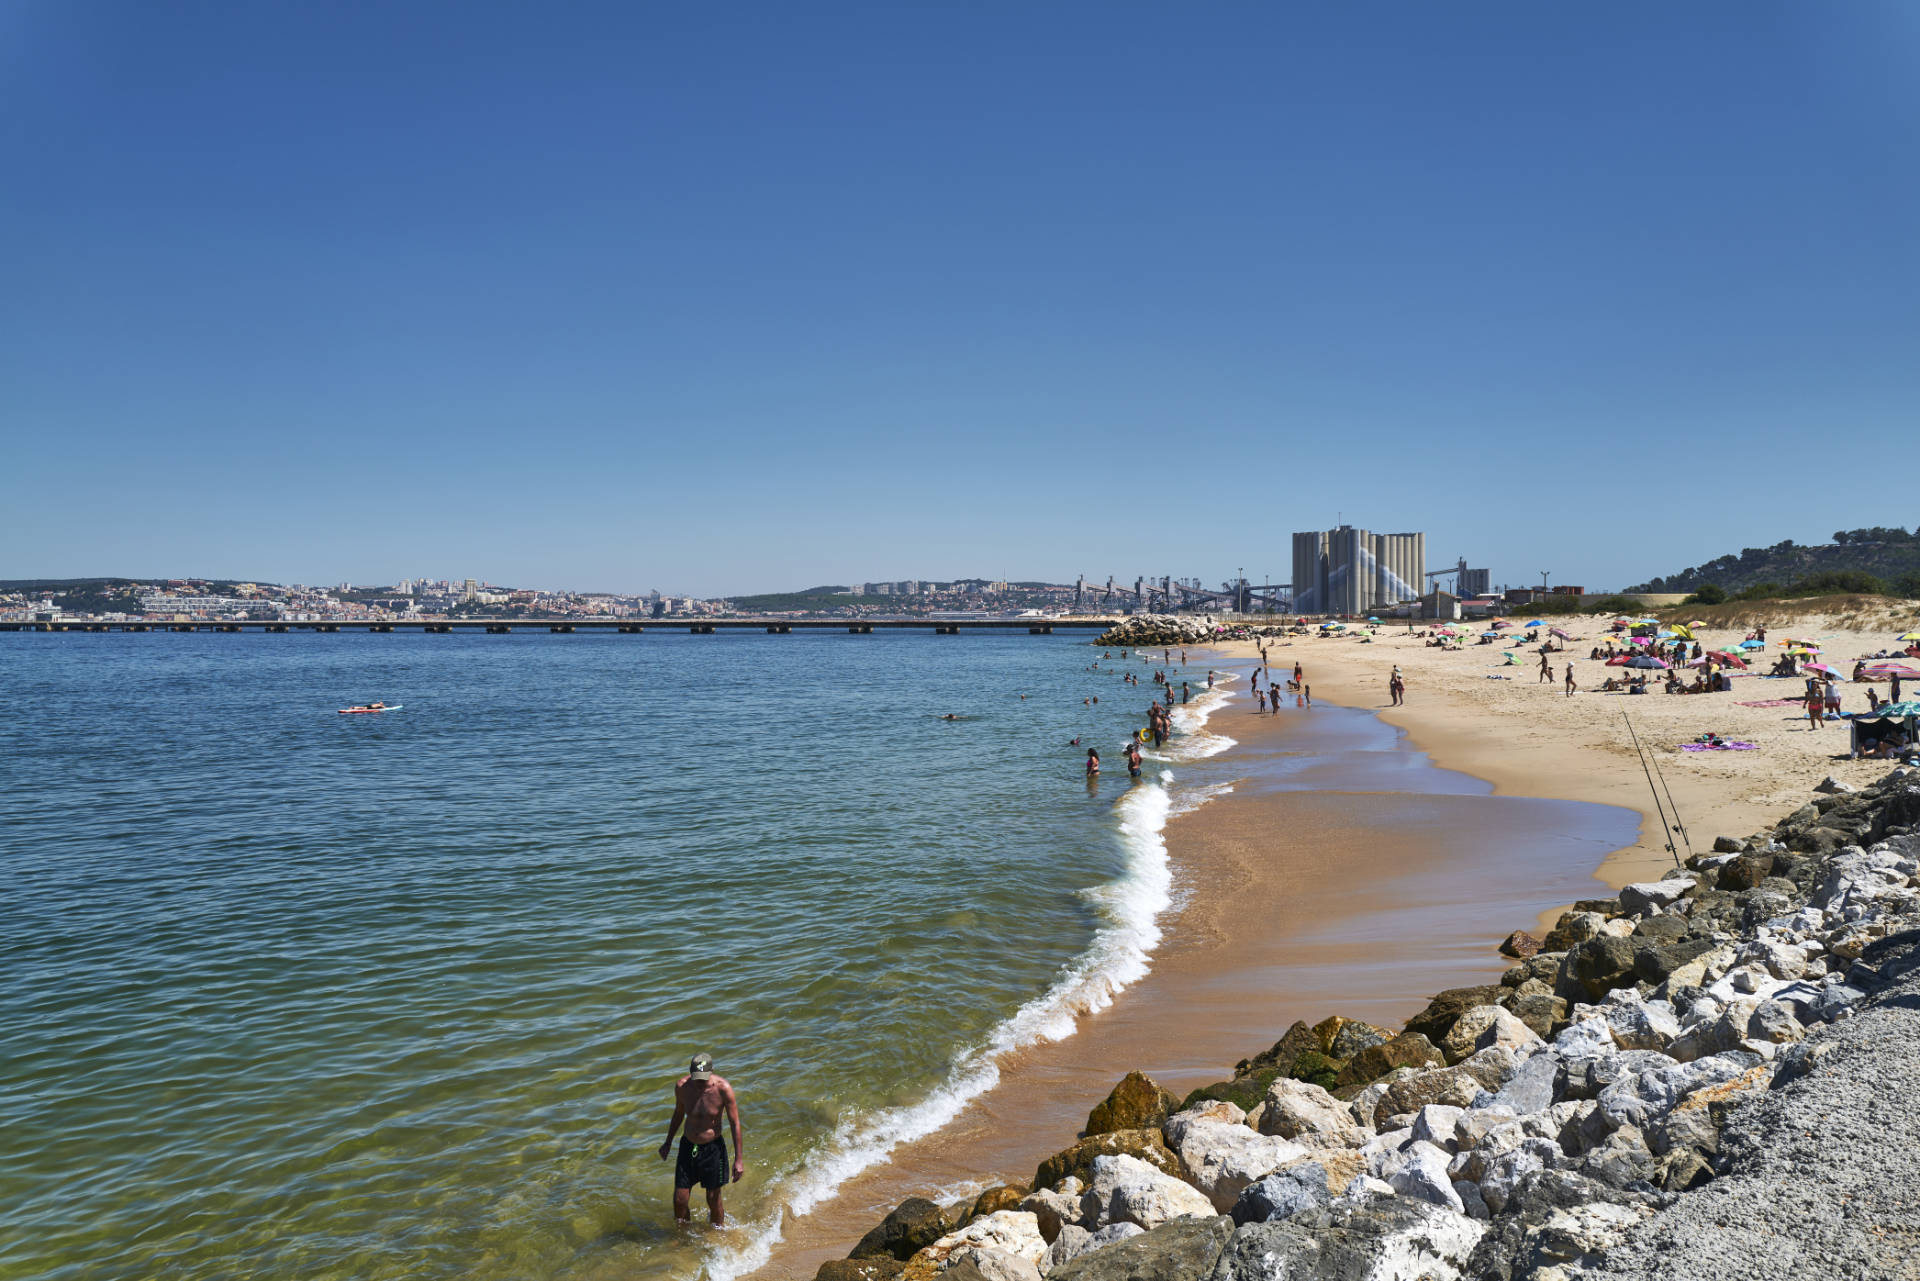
point(740, 299)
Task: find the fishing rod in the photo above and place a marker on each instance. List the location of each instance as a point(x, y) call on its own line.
point(1679, 824)
point(1666, 832)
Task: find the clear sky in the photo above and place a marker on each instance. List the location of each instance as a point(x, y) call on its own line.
point(736, 297)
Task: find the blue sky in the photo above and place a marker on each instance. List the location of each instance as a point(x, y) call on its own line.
point(725, 298)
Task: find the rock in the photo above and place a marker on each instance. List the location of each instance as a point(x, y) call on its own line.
point(1355, 1036)
point(1072, 1242)
point(1306, 1113)
point(1137, 1103)
point(996, 1265)
point(1646, 897)
point(1642, 1098)
point(1663, 930)
point(1596, 967)
point(1657, 962)
point(1745, 872)
point(1005, 1197)
point(1728, 845)
point(1774, 1021)
point(1540, 1011)
point(1504, 1170)
point(914, 1224)
point(1782, 960)
point(1242, 1091)
point(1055, 1209)
point(1362, 1100)
point(1450, 1086)
point(1520, 943)
point(1642, 1025)
point(1125, 1189)
point(1554, 1218)
point(1286, 1192)
point(1224, 1157)
point(882, 1267)
point(1409, 1049)
point(1436, 1124)
point(1392, 1239)
point(1297, 1040)
point(1621, 1160)
point(1445, 1009)
point(1460, 1039)
point(1572, 929)
point(1180, 1251)
point(1507, 1031)
point(1530, 1089)
point(1077, 1161)
point(1423, 1176)
point(1013, 1233)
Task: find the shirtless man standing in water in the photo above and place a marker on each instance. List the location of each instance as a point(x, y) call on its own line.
point(699, 1099)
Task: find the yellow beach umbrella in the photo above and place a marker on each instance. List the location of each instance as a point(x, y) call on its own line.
point(1911, 636)
point(1680, 630)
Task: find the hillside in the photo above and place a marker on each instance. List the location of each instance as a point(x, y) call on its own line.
point(1890, 556)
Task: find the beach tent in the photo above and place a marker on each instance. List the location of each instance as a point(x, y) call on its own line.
point(1889, 718)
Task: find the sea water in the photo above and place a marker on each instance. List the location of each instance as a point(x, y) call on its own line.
point(285, 993)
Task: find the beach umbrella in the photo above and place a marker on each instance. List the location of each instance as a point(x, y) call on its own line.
point(1752, 644)
point(1697, 623)
point(1882, 670)
point(1502, 623)
point(1372, 618)
point(1731, 660)
point(1555, 631)
point(1619, 660)
point(1681, 631)
point(1822, 667)
point(1644, 660)
point(1538, 622)
point(1911, 636)
point(1489, 633)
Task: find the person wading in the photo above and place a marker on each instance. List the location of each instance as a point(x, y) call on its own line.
point(699, 1099)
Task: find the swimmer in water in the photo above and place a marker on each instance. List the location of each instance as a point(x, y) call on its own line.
point(1093, 762)
point(949, 717)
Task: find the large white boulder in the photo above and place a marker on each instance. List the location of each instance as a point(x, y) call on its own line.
point(1126, 1189)
point(1223, 1158)
point(1307, 1114)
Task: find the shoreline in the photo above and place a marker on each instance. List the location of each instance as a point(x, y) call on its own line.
point(1207, 998)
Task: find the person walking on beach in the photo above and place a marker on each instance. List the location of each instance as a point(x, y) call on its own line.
point(1299, 674)
point(700, 1099)
point(1306, 693)
point(1570, 685)
point(1546, 668)
point(1816, 701)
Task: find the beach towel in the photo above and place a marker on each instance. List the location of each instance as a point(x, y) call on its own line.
point(1774, 702)
point(1717, 747)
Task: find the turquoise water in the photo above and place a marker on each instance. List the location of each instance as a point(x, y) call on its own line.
point(285, 993)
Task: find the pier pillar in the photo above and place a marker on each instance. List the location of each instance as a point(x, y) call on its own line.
point(498, 629)
point(631, 629)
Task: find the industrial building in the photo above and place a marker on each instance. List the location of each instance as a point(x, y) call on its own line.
point(1355, 571)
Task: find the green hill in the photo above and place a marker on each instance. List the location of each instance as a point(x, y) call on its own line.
point(1881, 560)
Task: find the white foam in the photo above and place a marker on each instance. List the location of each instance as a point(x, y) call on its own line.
point(1118, 957)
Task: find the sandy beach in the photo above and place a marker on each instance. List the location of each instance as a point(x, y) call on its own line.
point(1527, 738)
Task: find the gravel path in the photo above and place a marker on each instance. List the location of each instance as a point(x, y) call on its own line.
point(1825, 1178)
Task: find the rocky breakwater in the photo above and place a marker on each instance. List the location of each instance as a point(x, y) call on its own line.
point(1150, 631)
point(1722, 1064)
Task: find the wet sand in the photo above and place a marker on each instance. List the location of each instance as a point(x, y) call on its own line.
point(1345, 873)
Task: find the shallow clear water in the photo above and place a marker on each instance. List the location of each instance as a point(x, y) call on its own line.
point(285, 993)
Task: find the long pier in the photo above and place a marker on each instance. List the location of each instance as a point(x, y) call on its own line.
point(625, 626)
